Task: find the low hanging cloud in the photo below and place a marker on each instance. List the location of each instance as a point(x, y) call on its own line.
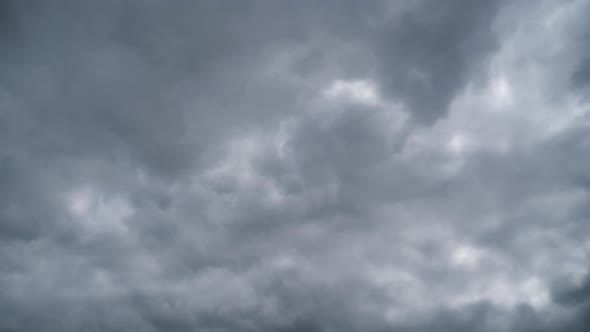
point(294, 166)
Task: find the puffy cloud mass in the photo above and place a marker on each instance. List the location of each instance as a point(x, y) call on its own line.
point(295, 166)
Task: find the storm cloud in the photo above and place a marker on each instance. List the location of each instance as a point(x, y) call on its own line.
point(295, 166)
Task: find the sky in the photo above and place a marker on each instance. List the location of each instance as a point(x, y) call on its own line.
point(295, 166)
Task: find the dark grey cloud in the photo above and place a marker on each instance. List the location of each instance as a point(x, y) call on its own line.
point(294, 166)
point(431, 50)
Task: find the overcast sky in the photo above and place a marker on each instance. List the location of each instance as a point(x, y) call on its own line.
point(294, 166)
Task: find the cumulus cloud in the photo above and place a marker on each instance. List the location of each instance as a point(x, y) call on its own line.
point(294, 166)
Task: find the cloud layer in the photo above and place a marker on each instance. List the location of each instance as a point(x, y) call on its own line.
point(294, 166)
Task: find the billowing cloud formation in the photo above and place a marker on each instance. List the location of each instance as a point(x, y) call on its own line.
point(294, 166)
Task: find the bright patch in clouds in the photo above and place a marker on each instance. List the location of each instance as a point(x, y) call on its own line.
point(500, 92)
point(97, 212)
point(466, 256)
point(355, 91)
point(80, 202)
